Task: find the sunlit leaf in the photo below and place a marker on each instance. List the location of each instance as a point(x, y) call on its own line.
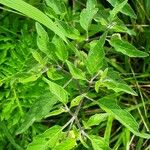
point(29, 79)
point(76, 72)
point(126, 48)
point(76, 101)
point(96, 55)
point(112, 80)
point(57, 90)
point(98, 143)
point(86, 17)
point(117, 9)
point(61, 49)
point(57, 6)
point(53, 74)
point(127, 10)
point(46, 140)
point(96, 119)
point(67, 144)
point(43, 42)
point(68, 30)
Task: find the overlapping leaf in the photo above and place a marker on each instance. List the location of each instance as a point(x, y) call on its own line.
point(87, 14)
point(33, 13)
point(46, 140)
point(76, 72)
point(109, 104)
point(38, 110)
point(127, 10)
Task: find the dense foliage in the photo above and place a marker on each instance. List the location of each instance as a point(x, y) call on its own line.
point(74, 74)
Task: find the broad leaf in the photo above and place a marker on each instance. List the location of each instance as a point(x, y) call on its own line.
point(127, 10)
point(91, 4)
point(67, 144)
point(109, 104)
point(86, 17)
point(31, 78)
point(96, 119)
point(35, 14)
point(57, 90)
point(112, 80)
point(68, 30)
point(46, 140)
point(117, 9)
point(38, 111)
point(36, 55)
point(98, 143)
point(76, 101)
point(119, 87)
point(126, 48)
point(53, 74)
point(43, 41)
point(57, 6)
point(96, 55)
point(76, 72)
point(61, 49)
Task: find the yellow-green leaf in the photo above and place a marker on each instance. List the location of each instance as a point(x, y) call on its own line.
point(76, 72)
point(58, 91)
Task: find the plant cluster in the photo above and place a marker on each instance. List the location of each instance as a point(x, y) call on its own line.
point(67, 75)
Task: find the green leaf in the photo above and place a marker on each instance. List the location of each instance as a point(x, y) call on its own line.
point(36, 55)
point(53, 74)
point(38, 111)
point(68, 30)
point(67, 144)
point(55, 112)
point(58, 91)
point(61, 49)
point(117, 9)
point(91, 4)
point(111, 79)
point(109, 105)
point(83, 142)
point(121, 27)
point(76, 72)
point(46, 140)
point(96, 119)
point(96, 55)
point(35, 14)
point(57, 6)
point(42, 38)
point(127, 10)
point(31, 78)
point(119, 87)
point(126, 48)
point(98, 143)
point(43, 42)
point(76, 101)
point(86, 17)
